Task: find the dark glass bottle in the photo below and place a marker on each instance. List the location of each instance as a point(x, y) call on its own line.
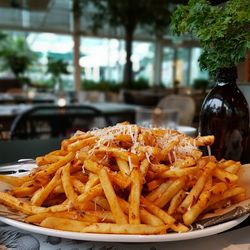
point(225, 115)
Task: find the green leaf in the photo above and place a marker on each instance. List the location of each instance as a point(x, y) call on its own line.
point(223, 31)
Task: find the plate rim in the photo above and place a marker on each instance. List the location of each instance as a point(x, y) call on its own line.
point(122, 237)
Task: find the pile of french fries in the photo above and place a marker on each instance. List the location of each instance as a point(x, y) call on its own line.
point(124, 179)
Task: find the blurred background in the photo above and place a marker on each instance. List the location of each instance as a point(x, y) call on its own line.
point(114, 55)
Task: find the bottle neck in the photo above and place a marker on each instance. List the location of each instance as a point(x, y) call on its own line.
point(226, 76)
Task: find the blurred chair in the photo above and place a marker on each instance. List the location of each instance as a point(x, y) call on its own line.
point(184, 104)
point(46, 121)
point(13, 150)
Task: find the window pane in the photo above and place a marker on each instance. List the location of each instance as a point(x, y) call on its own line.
point(167, 67)
point(142, 58)
point(196, 72)
point(102, 59)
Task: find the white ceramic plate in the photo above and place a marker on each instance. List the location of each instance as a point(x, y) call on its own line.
point(116, 237)
point(126, 238)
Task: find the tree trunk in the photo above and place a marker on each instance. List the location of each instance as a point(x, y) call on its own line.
point(128, 71)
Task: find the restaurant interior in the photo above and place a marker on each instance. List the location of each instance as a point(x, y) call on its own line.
point(74, 65)
point(124, 124)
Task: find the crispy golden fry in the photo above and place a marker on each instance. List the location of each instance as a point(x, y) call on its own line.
point(24, 207)
point(197, 188)
point(123, 166)
point(176, 201)
point(203, 140)
point(102, 202)
point(225, 176)
point(106, 184)
point(178, 172)
point(120, 180)
point(234, 168)
point(64, 224)
point(125, 155)
point(184, 163)
point(77, 145)
point(134, 198)
point(154, 184)
point(23, 191)
point(93, 181)
point(146, 217)
point(15, 181)
point(155, 194)
point(74, 215)
point(78, 185)
point(227, 194)
point(67, 186)
point(124, 229)
point(51, 169)
point(90, 194)
point(43, 193)
point(165, 217)
point(173, 189)
point(101, 216)
point(144, 166)
point(159, 168)
point(190, 216)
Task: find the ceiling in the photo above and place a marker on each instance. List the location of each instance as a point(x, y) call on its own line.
point(56, 16)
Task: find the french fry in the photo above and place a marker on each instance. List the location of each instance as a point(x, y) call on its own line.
point(123, 166)
point(165, 217)
point(197, 188)
point(190, 216)
point(203, 140)
point(93, 181)
point(15, 181)
point(74, 215)
point(134, 197)
point(144, 168)
point(225, 176)
point(102, 202)
point(106, 184)
point(55, 166)
point(43, 193)
point(178, 172)
point(124, 229)
point(176, 201)
point(155, 194)
point(184, 163)
point(78, 185)
point(24, 207)
point(24, 191)
point(159, 168)
point(64, 224)
point(67, 185)
point(77, 145)
point(120, 180)
point(89, 195)
point(102, 216)
point(154, 184)
point(173, 189)
point(227, 194)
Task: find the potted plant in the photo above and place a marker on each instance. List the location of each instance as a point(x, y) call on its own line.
point(16, 56)
point(57, 67)
point(103, 90)
point(223, 32)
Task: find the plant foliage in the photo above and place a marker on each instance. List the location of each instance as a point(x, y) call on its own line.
point(223, 31)
point(153, 15)
point(16, 55)
point(57, 67)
